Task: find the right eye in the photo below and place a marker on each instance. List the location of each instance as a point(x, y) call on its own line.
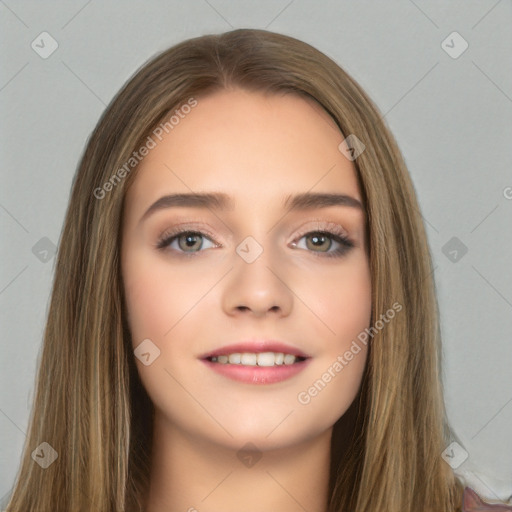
point(188, 242)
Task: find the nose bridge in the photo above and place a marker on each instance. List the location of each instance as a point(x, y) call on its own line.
point(257, 282)
point(254, 259)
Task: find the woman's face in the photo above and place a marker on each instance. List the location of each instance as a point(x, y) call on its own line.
point(254, 272)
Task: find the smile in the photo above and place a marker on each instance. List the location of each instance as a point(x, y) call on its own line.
point(257, 368)
point(257, 359)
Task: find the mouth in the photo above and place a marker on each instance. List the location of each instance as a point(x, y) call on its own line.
point(266, 359)
point(263, 362)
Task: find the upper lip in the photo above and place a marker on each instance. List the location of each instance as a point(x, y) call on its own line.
point(256, 346)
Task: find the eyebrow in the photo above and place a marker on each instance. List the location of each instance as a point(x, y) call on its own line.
point(221, 201)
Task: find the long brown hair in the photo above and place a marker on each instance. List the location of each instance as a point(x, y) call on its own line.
point(90, 406)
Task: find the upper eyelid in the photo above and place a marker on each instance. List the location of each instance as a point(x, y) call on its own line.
point(320, 225)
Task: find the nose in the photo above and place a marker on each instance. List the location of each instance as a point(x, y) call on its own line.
point(258, 288)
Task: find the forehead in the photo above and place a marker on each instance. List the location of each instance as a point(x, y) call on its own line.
point(251, 146)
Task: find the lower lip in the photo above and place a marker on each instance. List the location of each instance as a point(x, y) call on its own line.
point(257, 374)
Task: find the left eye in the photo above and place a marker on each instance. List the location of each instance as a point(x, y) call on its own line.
point(323, 240)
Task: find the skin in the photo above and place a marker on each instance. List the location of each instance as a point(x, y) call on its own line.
point(256, 148)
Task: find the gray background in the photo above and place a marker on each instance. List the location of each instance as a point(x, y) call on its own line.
point(451, 117)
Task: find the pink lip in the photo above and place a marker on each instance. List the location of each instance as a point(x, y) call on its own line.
point(257, 374)
point(255, 347)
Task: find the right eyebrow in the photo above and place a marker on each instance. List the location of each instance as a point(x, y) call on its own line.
point(215, 201)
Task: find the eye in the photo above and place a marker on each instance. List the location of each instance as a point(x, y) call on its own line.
point(185, 241)
point(321, 243)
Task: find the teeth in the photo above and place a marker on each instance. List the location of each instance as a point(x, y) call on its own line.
point(253, 359)
point(249, 359)
point(235, 358)
point(289, 359)
point(266, 359)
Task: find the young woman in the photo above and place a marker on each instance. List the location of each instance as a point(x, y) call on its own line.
point(243, 315)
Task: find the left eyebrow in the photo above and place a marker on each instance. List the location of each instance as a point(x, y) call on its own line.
point(220, 201)
point(310, 201)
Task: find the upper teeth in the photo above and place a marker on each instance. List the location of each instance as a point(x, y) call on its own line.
point(252, 359)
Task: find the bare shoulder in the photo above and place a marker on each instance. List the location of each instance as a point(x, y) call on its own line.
point(473, 503)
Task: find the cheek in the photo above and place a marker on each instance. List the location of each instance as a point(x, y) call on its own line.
point(156, 295)
point(342, 301)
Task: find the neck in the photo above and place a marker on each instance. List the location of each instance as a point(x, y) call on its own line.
point(193, 475)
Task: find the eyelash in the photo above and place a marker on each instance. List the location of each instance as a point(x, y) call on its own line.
point(336, 234)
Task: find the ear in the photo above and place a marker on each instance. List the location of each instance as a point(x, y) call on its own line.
point(471, 502)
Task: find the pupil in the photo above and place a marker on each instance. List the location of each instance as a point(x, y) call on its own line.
point(318, 240)
point(190, 241)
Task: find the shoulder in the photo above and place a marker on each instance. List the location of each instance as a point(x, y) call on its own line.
point(471, 502)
